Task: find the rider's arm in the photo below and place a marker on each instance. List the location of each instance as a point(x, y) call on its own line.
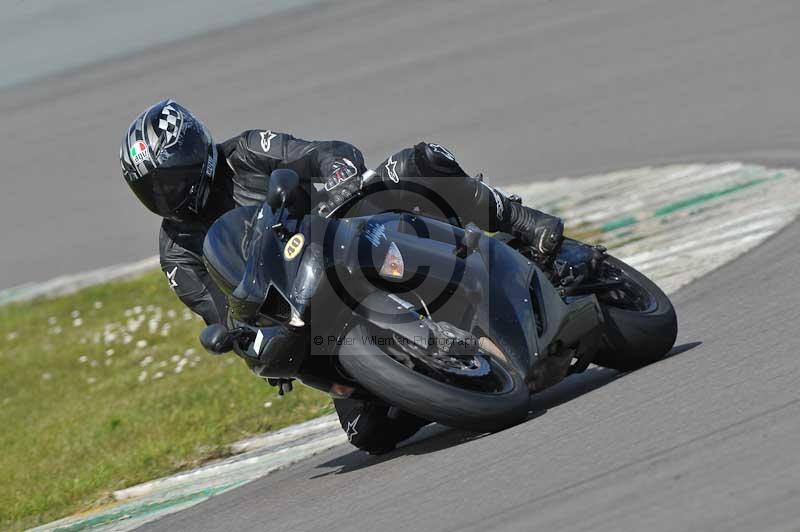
point(186, 274)
point(331, 162)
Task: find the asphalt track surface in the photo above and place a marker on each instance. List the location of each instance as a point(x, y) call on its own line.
point(704, 440)
point(520, 90)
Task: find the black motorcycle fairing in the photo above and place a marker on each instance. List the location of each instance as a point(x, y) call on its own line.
point(506, 314)
point(502, 306)
point(243, 252)
point(392, 314)
point(496, 291)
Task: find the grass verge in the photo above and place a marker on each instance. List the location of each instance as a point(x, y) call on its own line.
point(109, 387)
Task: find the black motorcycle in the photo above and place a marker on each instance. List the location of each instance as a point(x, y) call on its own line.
point(444, 322)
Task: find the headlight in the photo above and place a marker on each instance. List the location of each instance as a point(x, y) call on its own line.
point(393, 266)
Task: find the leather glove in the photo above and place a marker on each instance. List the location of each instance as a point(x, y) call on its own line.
point(339, 191)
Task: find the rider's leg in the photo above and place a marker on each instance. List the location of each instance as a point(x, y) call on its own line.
point(436, 169)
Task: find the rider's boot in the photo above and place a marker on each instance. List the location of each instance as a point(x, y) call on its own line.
point(541, 231)
point(375, 428)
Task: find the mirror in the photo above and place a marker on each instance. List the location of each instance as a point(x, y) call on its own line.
point(216, 339)
point(284, 190)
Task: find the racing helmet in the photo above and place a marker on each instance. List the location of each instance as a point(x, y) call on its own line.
point(168, 159)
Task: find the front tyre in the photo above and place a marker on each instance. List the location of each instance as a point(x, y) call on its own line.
point(374, 367)
point(640, 322)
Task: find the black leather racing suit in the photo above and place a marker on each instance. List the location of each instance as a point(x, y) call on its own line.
point(241, 179)
point(336, 167)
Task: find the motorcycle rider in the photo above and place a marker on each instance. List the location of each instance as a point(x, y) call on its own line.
point(173, 166)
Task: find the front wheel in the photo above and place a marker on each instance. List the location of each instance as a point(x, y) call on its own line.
point(483, 395)
point(640, 322)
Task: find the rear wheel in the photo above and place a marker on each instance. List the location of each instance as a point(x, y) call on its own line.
point(478, 392)
point(640, 322)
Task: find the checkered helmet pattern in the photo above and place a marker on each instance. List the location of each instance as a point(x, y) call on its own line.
point(170, 122)
point(151, 136)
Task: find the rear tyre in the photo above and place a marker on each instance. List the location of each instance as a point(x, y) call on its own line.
point(428, 398)
point(640, 325)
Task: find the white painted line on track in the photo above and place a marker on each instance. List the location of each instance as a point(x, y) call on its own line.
point(675, 223)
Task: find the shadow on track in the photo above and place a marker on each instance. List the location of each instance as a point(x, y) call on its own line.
point(436, 437)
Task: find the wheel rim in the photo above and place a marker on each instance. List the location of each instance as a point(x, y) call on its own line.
point(629, 296)
point(478, 372)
